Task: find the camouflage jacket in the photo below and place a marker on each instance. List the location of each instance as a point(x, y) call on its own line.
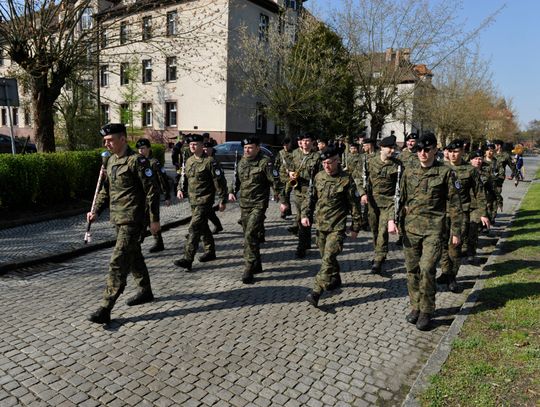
point(408, 158)
point(382, 179)
point(336, 196)
point(283, 164)
point(130, 187)
point(354, 167)
point(426, 195)
point(504, 159)
point(163, 179)
point(304, 165)
point(471, 190)
point(254, 178)
point(205, 179)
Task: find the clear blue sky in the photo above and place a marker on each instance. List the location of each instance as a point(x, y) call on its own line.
point(511, 44)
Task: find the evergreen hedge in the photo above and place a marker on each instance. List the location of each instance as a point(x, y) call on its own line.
point(44, 179)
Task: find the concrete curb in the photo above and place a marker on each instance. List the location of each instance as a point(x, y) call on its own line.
point(444, 347)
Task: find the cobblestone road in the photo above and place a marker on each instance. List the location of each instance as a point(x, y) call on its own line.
point(209, 340)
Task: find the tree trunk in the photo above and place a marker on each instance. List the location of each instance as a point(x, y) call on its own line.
point(43, 106)
point(377, 123)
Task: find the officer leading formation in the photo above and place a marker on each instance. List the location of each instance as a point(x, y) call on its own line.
point(438, 206)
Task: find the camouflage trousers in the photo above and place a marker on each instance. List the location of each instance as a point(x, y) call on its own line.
point(126, 258)
point(498, 192)
point(252, 219)
point(199, 230)
point(304, 233)
point(451, 255)
point(330, 245)
point(422, 253)
point(378, 223)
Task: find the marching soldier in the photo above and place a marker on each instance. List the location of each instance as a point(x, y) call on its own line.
point(205, 179)
point(503, 160)
point(382, 176)
point(255, 175)
point(408, 154)
point(305, 164)
point(282, 165)
point(477, 211)
point(471, 192)
point(130, 189)
point(428, 192)
point(208, 147)
point(145, 149)
point(335, 196)
point(491, 162)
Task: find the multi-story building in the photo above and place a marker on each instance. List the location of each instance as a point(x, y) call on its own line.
point(168, 66)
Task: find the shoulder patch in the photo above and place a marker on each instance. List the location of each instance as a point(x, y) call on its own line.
point(217, 172)
point(275, 173)
point(148, 172)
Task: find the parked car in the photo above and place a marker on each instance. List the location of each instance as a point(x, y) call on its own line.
point(225, 153)
point(5, 145)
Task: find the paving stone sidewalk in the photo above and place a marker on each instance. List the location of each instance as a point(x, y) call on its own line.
point(209, 340)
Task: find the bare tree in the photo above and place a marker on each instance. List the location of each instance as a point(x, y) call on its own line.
point(419, 31)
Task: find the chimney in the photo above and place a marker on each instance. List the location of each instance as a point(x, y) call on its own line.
point(406, 54)
point(398, 56)
point(389, 52)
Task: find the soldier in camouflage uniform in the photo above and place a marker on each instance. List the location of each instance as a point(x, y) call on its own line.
point(208, 147)
point(254, 177)
point(130, 189)
point(491, 162)
point(282, 165)
point(428, 195)
point(335, 196)
point(471, 191)
point(477, 211)
point(503, 160)
point(382, 176)
point(144, 147)
point(408, 155)
point(205, 179)
point(305, 164)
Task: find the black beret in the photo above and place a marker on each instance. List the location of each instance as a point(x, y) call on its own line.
point(329, 152)
point(250, 140)
point(427, 140)
point(455, 144)
point(195, 138)
point(354, 144)
point(476, 153)
point(389, 141)
point(410, 136)
point(368, 140)
point(210, 143)
point(498, 142)
point(112, 128)
point(306, 135)
point(143, 142)
point(286, 140)
point(490, 145)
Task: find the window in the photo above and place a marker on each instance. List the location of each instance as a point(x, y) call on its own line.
point(260, 120)
point(27, 118)
point(146, 114)
point(171, 22)
point(125, 113)
point(124, 77)
point(4, 117)
point(146, 28)
point(170, 114)
point(87, 86)
point(291, 4)
point(15, 116)
point(86, 18)
point(147, 70)
point(123, 33)
point(104, 75)
point(104, 39)
point(263, 27)
point(105, 114)
point(171, 69)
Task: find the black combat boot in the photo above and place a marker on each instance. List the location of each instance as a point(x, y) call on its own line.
point(101, 316)
point(424, 321)
point(454, 286)
point(142, 297)
point(412, 317)
point(247, 277)
point(335, 283)
point(313, 298)
point(158, 244)
point(207, 257)
point(184, 263)
point(376, 267)
point(442, 279)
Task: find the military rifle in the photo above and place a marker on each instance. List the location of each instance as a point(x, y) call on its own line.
point(183, 178)
point(311, 194)
point(397, 197)
point(235, 174)
point(102, 172)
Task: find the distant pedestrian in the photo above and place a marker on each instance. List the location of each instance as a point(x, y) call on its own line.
point(335, 197)
point(145, 149)
point(130, 189)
